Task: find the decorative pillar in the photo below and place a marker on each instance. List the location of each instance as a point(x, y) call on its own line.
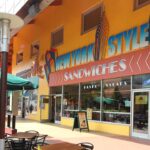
point(7, 22)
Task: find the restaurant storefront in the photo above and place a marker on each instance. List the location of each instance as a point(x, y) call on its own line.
point(116, 92)
point(93, 57)
point(121, 101)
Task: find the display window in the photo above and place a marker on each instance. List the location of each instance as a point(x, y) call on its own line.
point(70, 100)
point(91, 99)
point(116, 100)
point(103, 100)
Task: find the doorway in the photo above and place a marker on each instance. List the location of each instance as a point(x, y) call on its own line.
point(58, 109)
point(141, 113)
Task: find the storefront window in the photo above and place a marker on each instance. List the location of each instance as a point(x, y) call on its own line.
point(90, 99)
point(70, 100)
point(141, 81)
point(116, 100)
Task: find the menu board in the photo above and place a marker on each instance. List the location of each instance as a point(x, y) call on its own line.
point(80, 121)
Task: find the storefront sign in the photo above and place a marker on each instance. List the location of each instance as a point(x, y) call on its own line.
point(123, 42)
point(130, 38)
point(137, 62)
point(98, 69)
point(90, 87)
point(76, 57)
point(113, 84)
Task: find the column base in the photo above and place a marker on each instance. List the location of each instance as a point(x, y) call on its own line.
point(10, 131)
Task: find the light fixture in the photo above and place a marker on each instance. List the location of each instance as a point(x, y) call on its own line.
point(7, 22)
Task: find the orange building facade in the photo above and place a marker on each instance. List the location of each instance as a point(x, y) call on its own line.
point(91, 56)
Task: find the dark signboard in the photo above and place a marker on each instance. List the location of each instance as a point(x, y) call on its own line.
point(80, 121)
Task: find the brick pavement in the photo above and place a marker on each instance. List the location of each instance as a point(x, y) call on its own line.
point(101, 141)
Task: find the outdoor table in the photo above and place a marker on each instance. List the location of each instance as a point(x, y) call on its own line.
point(22, 136)
point(61, 146)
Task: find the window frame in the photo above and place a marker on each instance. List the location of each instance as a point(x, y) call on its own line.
point(137, 6)
point(34, 53)
point(70, 110)
point(86, 13)
point(17, 57)
point(53, 32)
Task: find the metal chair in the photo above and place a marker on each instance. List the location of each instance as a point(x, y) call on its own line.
point(18, 145)
point(8, 141)
point(40, 140)
point(14, 144)
point(86, 146)
point(32, 142)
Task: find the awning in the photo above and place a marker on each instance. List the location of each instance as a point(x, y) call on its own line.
point(17, 83)
point(35, 81)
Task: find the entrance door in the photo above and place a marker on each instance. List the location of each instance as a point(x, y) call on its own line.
point(58, 109)
point(140, 111)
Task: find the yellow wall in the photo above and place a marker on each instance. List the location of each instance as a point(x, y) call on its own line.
point(119, 13)
point(102, 127)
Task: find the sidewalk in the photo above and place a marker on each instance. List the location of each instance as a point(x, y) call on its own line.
point(101, 141)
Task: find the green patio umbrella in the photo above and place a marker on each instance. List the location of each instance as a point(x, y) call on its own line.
point(17, 83)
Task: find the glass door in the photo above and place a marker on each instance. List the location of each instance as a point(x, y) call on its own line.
point(58, 109)
point(140, 111)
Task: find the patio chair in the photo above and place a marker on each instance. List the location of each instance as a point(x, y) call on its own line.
point(21, 145)
point(16, 144)
point(40, 140)
point(8, 145)
point(30, 143)
point(86, 146)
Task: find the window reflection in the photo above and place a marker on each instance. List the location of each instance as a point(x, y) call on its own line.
point(70, 100)
point(111, 105)
point(141, 81)
point(116, 100)
point(90, 98)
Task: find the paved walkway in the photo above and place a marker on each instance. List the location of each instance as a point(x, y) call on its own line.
point(101, 141)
